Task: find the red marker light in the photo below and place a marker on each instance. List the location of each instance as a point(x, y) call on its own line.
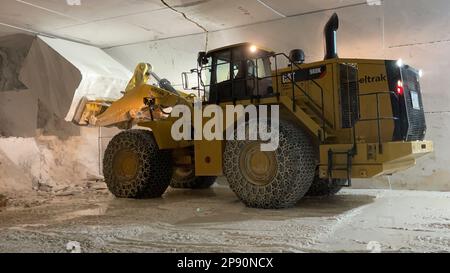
point(400, 89)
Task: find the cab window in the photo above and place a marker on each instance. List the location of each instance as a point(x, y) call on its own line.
point(223, 71)
point(223, 67)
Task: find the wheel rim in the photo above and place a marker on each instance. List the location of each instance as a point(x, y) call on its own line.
point(259, 168)
point(126, 164)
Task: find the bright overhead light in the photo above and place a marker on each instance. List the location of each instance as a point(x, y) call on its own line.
point(400, 63)
point(373, 2)
point(73, 2)
point(253, 49)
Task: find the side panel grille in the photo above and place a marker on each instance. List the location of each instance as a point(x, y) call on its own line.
point(349, 95)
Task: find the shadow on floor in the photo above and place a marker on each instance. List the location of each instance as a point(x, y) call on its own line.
point(220, 204)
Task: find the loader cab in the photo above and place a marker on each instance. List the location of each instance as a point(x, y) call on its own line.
point(236, 72)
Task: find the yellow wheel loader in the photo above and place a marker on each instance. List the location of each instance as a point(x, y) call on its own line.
point(338, 119)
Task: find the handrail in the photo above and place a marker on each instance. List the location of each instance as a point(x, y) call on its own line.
point(379, 93)
point(293, 79)
point(378, 119)
point(294, 84)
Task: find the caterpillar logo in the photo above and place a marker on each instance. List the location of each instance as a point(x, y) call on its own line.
point(373, 79)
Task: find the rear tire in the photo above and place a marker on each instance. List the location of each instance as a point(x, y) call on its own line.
point(134, 167)
point(271, 180)
point(185, 179)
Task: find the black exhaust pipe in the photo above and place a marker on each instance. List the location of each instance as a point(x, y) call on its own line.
point(330, 37)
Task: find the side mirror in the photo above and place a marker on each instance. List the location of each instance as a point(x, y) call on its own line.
point(297, 56)
point(202, 60)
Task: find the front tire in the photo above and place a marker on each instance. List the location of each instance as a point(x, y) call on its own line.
point(271, 180)
point(134, 167)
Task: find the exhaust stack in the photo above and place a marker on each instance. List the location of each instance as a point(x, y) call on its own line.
point(330, 31)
